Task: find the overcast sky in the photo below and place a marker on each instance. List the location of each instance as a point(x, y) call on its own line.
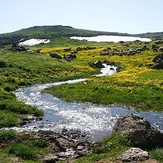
point(126, 16)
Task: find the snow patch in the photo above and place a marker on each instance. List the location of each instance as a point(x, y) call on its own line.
point(34, 41)
point(105, 38)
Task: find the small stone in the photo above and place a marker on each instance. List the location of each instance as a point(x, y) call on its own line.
point(134, 155)
point(50, 158)
point(64, 144)
point(79, 147)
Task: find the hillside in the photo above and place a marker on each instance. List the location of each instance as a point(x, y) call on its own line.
point(50, 32)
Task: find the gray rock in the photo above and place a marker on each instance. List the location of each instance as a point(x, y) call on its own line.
point(64, 144)
point(139, 131)
point(134, 155)
point(50, 158)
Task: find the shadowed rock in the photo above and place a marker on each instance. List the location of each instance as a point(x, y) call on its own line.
point(56, 56)
point(98, 64)
point(158, 59)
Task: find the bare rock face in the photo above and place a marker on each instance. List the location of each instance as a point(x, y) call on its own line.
point(139, 131)
point(134, 155)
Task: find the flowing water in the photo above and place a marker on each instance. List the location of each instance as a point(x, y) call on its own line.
point(97, 120)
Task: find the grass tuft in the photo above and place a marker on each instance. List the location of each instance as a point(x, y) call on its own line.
point(157, 154)
point(23, 151)
point(7, 134)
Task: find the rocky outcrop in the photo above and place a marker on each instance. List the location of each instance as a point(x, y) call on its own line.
point(139, 131)
point(134, 155)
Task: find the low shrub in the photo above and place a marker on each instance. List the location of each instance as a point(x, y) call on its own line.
point(115, 140)
point(102, 148)
point(40, 143)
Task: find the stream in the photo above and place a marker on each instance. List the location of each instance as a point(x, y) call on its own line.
point(94, 120)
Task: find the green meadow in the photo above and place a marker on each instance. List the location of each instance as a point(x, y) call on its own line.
point(137, 85)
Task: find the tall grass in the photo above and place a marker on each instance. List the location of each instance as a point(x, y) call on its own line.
point(157, 154)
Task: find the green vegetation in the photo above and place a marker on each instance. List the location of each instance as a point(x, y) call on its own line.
point(40, 143)
point(157, 154)
point(22, 147)
point(110, 147)
point(7, 134)
point(22, 151)
point(137, 85)
point(25, 69)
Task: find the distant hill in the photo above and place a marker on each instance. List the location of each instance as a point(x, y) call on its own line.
point(154, 35)
point(51, 32)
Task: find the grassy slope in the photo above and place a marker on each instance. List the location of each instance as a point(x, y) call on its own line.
point(24, 69)
point(136, 86)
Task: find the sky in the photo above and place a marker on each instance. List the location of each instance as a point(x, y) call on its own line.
point(124, 16)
